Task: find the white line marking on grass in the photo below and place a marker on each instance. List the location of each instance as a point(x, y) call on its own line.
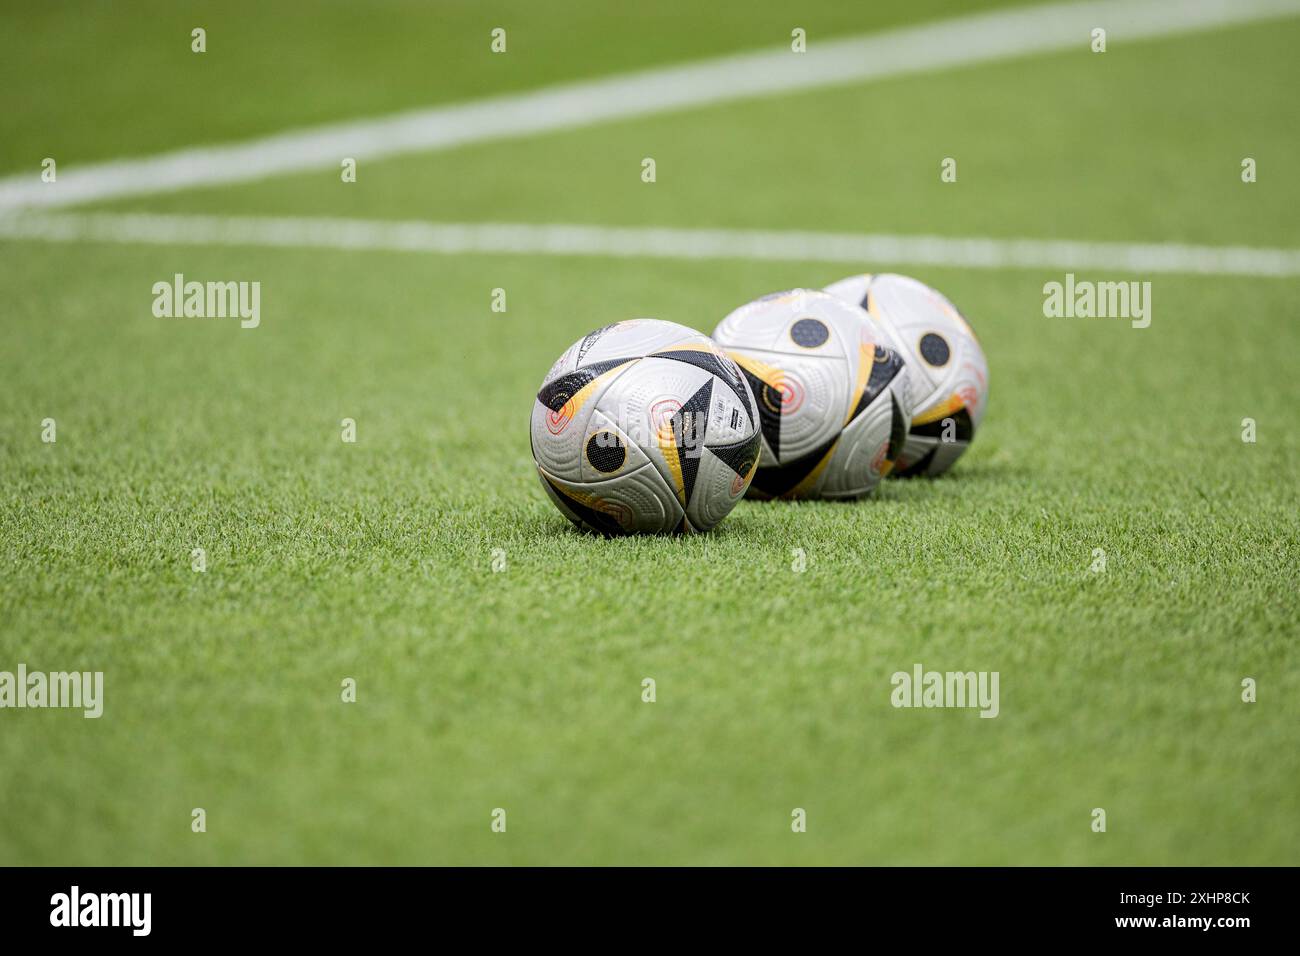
point(861, 251)
point(963, 41)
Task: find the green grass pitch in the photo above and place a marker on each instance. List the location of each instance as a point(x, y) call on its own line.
point(521, 688)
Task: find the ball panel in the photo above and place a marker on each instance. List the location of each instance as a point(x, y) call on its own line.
point(637, 502)
point(561, 414)
point(608, 446)
point(634, 337)
point(731, 419)
point(861, 454)
point(825, 403)
point(795, 322)
point(727, 460)
point(706, 355)
point(659, 407)
point(718, 486)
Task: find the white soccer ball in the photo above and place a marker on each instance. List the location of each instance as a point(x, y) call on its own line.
point(948, 374)
point(645, 427)
point(832, 399)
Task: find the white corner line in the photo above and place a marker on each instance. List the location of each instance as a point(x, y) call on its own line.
point(962, 41)
point(525, 239)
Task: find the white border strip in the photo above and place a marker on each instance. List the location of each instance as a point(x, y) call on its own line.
point(861, 251)
point(962, 41)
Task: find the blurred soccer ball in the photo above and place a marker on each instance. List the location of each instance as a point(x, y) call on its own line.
point(832, 402)
point(948, 375)
point(645, 426)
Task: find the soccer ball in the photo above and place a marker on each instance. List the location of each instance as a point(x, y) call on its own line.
point(645, 427)
point(948, 375)
point(832, 401)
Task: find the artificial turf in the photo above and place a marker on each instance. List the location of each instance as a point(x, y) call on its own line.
point(522, 688)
